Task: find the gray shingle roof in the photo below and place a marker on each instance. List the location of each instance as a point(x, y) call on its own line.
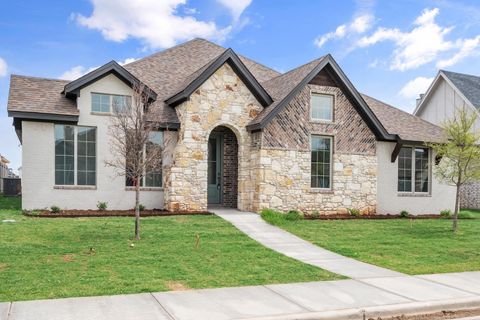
point(468, 85)
point(167, 71)
point(405, 125)
point(47, 97)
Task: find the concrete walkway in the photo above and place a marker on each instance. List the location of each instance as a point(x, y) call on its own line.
point(292, 246)
point(343, 299)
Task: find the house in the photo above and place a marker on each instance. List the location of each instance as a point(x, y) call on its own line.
point(4, 170)
point(240, 135)
point(451, 91)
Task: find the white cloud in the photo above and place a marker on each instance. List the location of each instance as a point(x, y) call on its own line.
point(417, 47)
point(467, 48)
point(423, 44)
point(3, 68)
point(236, 7)
point(414, 87)
point(358, 25)
point(157, 23)
point(78, 71)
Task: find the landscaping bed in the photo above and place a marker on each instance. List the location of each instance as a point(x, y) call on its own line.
point(108, 213)
point(369, 216)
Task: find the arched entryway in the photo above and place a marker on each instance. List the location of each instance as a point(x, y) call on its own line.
point(222, 168)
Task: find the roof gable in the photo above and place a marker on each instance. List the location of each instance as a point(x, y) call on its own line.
point(296, 79)
point(468, 85)
point(193, 82)
point(72, 89)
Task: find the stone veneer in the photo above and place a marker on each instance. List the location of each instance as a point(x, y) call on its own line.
point(273, 165)
point(470, 195)
point(222, 100)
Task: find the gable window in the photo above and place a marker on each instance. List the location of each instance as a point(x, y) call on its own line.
point(153, 178)
point(321, 107)
point(321, 162)
point(413, 170)
point(75, 155)
point(105, 103)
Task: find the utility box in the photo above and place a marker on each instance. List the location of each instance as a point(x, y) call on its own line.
point(12, 186)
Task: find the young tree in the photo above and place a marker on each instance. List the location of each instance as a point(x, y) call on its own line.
point(459, 154)
point(135, 150)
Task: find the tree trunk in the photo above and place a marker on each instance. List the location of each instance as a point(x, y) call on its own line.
point(455, 213)
point(137, 209)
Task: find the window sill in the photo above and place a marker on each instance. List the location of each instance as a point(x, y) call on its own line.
point(71, 187)
point(144, 188)
point(94, 113)
point(322, 121)
point(419, 195)
point(320, 190)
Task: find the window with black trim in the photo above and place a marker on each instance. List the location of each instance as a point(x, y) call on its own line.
point(414, 170)
point(153, 178)
point(75, 155)
point(321, 107)
point(105, 103)
point(321, 162)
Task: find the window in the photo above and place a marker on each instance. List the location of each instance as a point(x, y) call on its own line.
point(321, 162)
point(86, 155)
point(64, 155)
point(153, 178)
point(75, 152)
point(103, 102)
point(321, 107)
point(413, 170)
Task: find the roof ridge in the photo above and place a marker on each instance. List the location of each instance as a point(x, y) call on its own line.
point(36, 77)
point(398, 109)
point(460, 73)
point(291, 70)
point(170, 49)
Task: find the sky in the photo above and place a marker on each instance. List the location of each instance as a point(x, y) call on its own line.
point(390, 50)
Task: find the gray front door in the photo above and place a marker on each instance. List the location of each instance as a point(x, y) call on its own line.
point(215, 168)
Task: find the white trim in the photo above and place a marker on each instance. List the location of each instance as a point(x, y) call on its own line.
point(314, 92)
point(413, 192)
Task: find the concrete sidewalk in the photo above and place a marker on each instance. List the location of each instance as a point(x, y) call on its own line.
point(343, 299)
point(292, 246)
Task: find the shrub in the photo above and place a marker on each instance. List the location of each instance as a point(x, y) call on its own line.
point(272, 216)
point(141, 207)
point(315, 214)
point(465, 215)
point(404, 214)
point(446, 213)
point(293, 215)
point(354, 212)
point(55, 209)
point(102, 206)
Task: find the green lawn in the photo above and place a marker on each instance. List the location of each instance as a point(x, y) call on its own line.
point(51, 258)
point(409, 246)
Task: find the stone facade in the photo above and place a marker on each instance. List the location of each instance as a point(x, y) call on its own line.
point(273, 166)
point(470, 195)
point(222, 100)
point(285, 183)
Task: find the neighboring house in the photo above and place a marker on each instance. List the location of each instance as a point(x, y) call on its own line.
point(451, 91)
point(5, 171)
point(240, 135)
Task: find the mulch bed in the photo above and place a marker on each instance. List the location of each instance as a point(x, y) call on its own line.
point(109, 213)
point(370, 217)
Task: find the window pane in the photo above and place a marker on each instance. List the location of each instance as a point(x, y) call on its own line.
point(100, 102)
point(86, 158)
point(421, 170)
point(154, 174)
point(121, 103)
point(321, 107)
point(64, 154)
point(320, 162)
point(405, 170)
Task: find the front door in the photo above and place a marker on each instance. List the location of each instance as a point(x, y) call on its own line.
point(215, 164)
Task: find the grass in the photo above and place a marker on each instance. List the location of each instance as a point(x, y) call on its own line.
point(64, 257)
point(409, 246)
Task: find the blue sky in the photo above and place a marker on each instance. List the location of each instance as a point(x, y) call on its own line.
point(389, 49)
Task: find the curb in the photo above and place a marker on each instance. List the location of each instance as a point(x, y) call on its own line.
point(413, 308)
